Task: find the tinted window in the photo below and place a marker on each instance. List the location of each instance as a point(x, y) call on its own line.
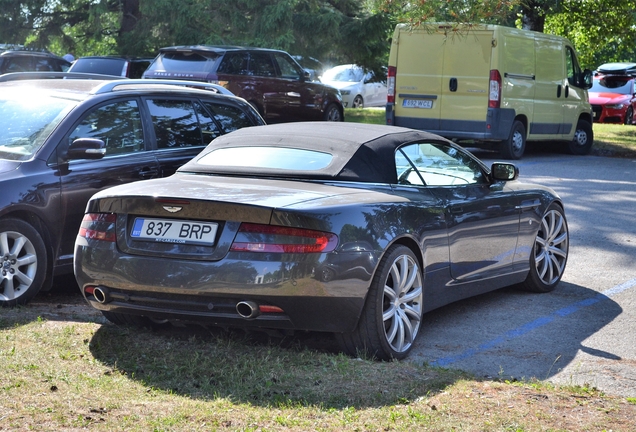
point(229, 117)
point(17, 64)
point(234, 63)
point(261, 65)
point(436, 165)
point(267, 157)
point(104, 66)
point(117, 124)
point(177, 124)
point(287, 66)
point(185, 62)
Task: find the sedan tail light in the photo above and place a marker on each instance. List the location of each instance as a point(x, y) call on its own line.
point(277, 239)
point(99, 226)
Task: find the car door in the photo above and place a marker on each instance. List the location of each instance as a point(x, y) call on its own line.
point(119, 125)
point(482, 217)
point(303, 101)
point(182, 128)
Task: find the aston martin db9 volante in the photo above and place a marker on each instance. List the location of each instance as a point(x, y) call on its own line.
point(334, 227)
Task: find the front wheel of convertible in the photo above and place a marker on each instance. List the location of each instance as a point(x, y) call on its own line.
point(23, 262)
point(392, 314)
point(550, 251)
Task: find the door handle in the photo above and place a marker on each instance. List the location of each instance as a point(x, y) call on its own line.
point(452, 84)
point(567, 90)
point(559, 91)
point(147, 172)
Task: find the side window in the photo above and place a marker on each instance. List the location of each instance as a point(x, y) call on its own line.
point(261, 65)
point(573, 69)
point(117, 124)
point(229, 117)
point(287, 67)
point(435, 164)
point(234, 63)
point(45, 65)
point(208, 126)
point(176, 123)
point(18, 64)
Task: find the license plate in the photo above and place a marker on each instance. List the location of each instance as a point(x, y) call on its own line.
point(174, 231)
point(417, 103)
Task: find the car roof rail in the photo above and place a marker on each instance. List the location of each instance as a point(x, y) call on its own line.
point(112, 85)
point(21, 76)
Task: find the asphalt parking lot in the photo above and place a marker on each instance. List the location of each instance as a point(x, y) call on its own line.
point(585, 331)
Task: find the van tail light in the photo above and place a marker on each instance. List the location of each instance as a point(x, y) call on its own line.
point(494, 95)
point(99, 226)
point(278, 239)
point(390, 84)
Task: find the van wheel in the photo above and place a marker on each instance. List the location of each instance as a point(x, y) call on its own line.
point(515, 145)
point(23, 262)
point(583, 139)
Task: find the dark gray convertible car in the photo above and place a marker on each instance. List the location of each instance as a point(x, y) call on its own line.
point(334, 227)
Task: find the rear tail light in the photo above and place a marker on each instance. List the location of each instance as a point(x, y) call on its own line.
point(390, 84)
point(494, 95)
point(99, 226)
point(277, 239)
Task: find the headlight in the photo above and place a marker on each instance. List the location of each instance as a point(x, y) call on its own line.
point(615, 106)
point(345, 92)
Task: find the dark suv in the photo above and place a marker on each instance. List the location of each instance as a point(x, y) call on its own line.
point(20, 59)
point(63, 140)
point(131, 67)
point(271, 80)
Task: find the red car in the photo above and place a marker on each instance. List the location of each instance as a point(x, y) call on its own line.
point(613, 96)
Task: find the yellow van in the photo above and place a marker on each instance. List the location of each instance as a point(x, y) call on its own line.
point(490, 86)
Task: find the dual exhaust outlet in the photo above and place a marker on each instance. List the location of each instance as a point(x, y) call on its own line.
point(246, 309)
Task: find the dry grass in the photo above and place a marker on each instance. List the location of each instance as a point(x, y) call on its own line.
point(65, 368)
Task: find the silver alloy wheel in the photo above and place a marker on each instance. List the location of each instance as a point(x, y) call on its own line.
point(358, 102)
point(19, 265)
point(402, 303)
point(580, 138)
point(551, 247)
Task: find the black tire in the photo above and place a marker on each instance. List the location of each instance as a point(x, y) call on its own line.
point(629, 116)
point(550, 252)
point(583, 139)
point(390, 320)
point(23, 262)
point(358, 102)
point(333, 113)
point(515, 145)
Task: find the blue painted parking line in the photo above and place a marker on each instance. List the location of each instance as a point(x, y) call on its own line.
point(533, 325)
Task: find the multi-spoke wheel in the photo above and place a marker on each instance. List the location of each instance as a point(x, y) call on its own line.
point(22, 262)
point(550, 251)
point(358, 102)
point(391, 318)
point(332, 113)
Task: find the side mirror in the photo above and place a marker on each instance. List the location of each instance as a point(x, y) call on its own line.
point(87, 148)
point(587, 79)
point(504, 171)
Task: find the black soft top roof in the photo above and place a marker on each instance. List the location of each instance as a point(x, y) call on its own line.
point(361, 152)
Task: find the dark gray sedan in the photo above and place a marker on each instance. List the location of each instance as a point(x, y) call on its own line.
point(335, 227)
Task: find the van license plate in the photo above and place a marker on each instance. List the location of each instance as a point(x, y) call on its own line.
point(174, 231)
point(417, 103)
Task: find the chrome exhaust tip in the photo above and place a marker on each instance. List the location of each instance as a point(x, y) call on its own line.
point(247, 309)
point(101, 295)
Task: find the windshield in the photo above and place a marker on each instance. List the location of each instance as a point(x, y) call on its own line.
point(26, 121)
point(344, 74)
point(611, 85)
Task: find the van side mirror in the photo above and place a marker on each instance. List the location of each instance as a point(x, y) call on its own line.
point(587, 79)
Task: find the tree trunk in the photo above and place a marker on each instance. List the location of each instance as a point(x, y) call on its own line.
point(533, 15)
point(131, 15)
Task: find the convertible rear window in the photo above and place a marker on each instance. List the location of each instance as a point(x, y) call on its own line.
point(282, 158)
